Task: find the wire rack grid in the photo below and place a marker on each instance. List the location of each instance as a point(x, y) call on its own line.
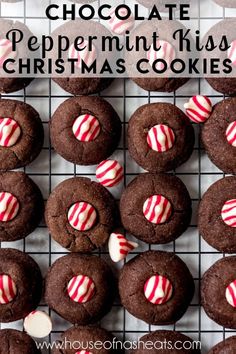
point(49, 169)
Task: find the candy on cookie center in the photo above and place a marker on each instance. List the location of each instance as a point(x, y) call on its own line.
point(86, 128)
point(231, 134)
point(228, 212)
point(83, 352)
point(81, 288)
point(158, 289)
point(232, 52)
point(8, 289)
point(157, 209)
point(160, 138)
point(165, 51)
point(9, 206)
point(6, 51)
point(82, 216)
point(230, 293)
point(10, 132)
point(85, 53)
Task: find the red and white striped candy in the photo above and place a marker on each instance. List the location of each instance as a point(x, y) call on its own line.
point(119, 247)
point(9, 132)
point(7, 289)
point(157, 209)
point(109, 173)
point(6, 51)
point(228, 213)
point(199, 108)
point(231, 134)
point(166, 52)
point(81, 289)
point(158, 289)
point(160, 138)
point(83, 352)
point(86, 128)
point(85, 55)
point(232, 52)
point(231, 293)
point(120, 26)
point(38, 324)
point(9, 206)
point(82, 216)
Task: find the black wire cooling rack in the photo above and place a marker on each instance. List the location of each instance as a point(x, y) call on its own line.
point(49, 169)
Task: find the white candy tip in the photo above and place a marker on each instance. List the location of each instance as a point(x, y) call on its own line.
point(38, 324)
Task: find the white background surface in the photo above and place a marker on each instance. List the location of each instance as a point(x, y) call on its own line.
point(49, 169)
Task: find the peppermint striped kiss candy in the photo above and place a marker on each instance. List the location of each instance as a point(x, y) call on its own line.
point(231, 293)
point(84, 54)
point(109, 173)
point(158, 290)
point(120, 26)
point(81, 289)
point(157, 209)
point(198, 109)
point(83, 352)
point(119, 247)
point(7, 289)
point(86, 128)
point(232, 52)
point(166, 52)
point(9, 132)
point(38, 324)
point(228, 213)
point(160, 138)
point(231, 134)
point(6, 51)
point(9, 206)
point(82, 216)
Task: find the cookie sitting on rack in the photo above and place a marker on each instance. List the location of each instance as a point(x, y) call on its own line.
point(13, 341)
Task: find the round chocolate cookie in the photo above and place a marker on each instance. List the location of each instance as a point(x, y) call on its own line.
point(149, 79)
point(13, 341)
point(81, 214)
point(227, 346)
point(73, 82)
point(218, 135)
point(227, 84)
point(85, 130)
point(226, 3)
point(20, 284)
point(156, 287)
point(166, 342)
point(218, 292)
point(83, 336)
point(217, 215)
point(80, 288)
point(21, 134)
point(8, 83)
point(156, 208)
point(21, 206)
point(160, 137)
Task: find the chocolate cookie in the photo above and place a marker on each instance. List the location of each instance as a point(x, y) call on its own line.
point(160, 4)
point(21, 206)
point(151, 80)
point(226, 3)
point(227, 346)
point(156, 287)
point(218, 292)
point(80, 288)
point(160, 137)
point(21, 134)
point(12, 341)
point(217, 215)
point(218, 135)
point(165, 342)
point(227, 84)
point(81, 214)
point(77, 83)
point(20, 284)
point(85, 130)
point(156, 208)
point(86, 338)
point(8, 83)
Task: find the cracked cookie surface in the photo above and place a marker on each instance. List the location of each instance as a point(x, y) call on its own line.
point(58, 278)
